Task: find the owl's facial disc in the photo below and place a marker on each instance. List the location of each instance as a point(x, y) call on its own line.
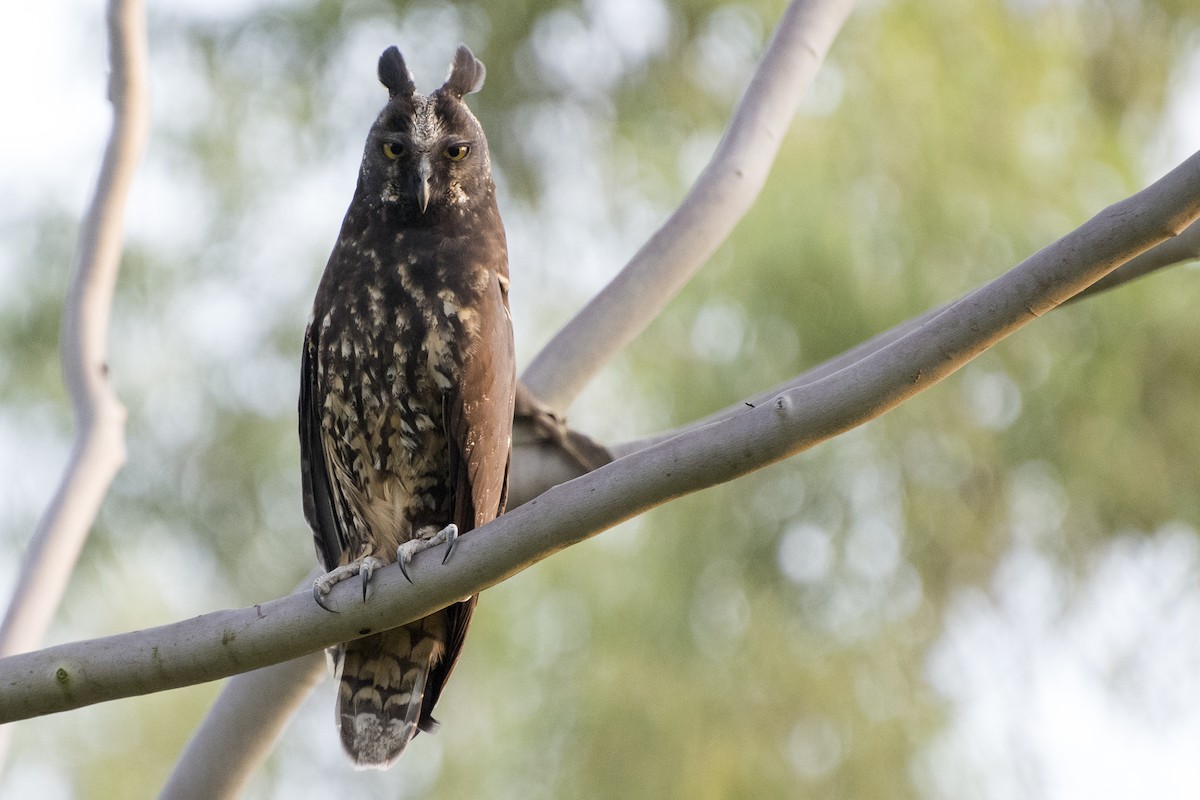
point(429, 152)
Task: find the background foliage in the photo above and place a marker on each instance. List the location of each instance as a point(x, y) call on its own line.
point(990, 592)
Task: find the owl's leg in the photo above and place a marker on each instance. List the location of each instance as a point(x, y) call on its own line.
point(363, 567)
point(426, 538)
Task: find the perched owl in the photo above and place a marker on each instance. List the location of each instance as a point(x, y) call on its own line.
point(406, 395)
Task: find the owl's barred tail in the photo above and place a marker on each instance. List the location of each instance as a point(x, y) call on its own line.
point(381, 694)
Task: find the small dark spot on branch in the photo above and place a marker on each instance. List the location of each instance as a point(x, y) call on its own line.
point(363, 631)
point(63, 679)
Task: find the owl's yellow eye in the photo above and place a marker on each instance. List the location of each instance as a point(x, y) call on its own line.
point(392, 150)
point(457, 152)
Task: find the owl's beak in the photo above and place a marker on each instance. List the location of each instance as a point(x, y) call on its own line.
point(424, 176)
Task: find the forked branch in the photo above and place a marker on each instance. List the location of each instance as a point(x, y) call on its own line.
point(721, 196)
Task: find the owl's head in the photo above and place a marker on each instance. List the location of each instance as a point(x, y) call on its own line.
point(427, 153)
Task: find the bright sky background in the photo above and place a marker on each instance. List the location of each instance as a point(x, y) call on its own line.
point(1095, 699)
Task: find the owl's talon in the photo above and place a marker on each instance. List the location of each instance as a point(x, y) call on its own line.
point(407, 550)
point(364, 567)
point(364, 576)
point(319, 596)
point(451, 532)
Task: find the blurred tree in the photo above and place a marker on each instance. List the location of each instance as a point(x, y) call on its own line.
point(782, 636)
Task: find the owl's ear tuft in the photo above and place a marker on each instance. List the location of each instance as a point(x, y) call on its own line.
point(466, 73)
point(394, 74)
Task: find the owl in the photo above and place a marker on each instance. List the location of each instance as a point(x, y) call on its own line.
point(407, 387)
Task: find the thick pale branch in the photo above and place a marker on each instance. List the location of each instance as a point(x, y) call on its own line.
point(722, 195)
point(227, 642)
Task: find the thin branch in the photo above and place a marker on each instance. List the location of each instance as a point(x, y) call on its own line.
point(226, 642)
point(722, 195)
point(98, 451)
point(1184, 247)
point(1175, 250)
point(809, 376)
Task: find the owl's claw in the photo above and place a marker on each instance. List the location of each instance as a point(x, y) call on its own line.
point(404, 554)
point(451, 532)
point(364, 574)
point(319, 596)
point(363, 567)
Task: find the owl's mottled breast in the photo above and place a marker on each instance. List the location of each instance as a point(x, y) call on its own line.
point(394, 322)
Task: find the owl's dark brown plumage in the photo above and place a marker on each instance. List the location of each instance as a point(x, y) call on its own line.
point(406, 398)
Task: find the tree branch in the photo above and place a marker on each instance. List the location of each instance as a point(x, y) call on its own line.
point(228, 747)
point(722, 195)
point(1184, 247)
point(1177, 249)
point(227, 642)
point(225, 751)
point(99, 446)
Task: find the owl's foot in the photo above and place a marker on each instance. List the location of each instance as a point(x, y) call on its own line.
point(447, 535)
point(363, 567)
